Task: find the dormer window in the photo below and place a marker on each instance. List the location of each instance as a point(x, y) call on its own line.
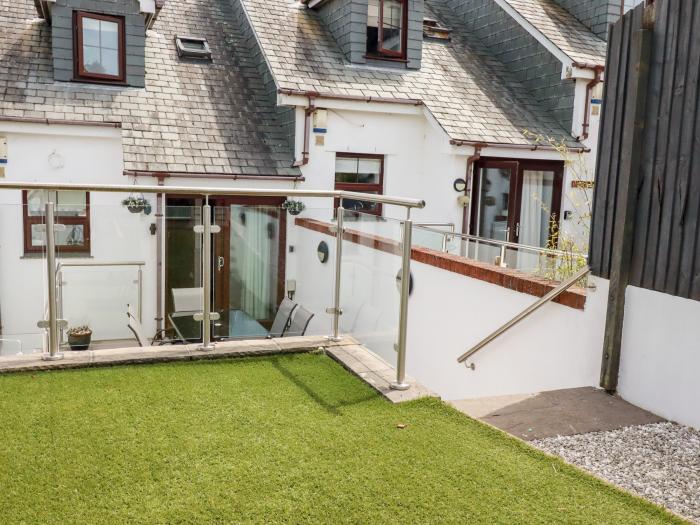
point(99, 47)
point(386, 29)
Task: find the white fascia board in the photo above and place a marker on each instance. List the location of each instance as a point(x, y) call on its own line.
point(503, 151)
point(63, 130)
point(550, 46)
point(350, 105)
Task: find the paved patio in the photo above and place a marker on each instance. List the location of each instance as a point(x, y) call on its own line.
point(556, 413)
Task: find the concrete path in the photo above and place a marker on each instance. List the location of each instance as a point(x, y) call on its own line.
point(556, 413)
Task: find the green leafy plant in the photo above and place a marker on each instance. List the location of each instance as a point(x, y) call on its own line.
point(294, 207)
point(137, 204)
point(572, 243)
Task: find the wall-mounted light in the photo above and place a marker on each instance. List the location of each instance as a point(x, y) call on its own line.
point(410, 282)
point(322, 252)
point(459, 185)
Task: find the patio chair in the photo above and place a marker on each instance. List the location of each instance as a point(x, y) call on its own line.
point(282, 318)
point(135, 326)
point(186, 303)
point(300, 322)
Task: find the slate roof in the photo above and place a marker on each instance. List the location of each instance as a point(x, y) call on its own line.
point(563, 30)
point(469, 92)
point(192, 117)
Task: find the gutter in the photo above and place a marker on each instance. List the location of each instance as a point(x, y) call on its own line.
point(58, 122)
point(530, 147)
point(354, 98)
point(203, 175)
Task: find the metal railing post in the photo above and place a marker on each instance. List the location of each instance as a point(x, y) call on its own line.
point(400, 383)
point(53, 353)
point(206, 316)
point(336, 310)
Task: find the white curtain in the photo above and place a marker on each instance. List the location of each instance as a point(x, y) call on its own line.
point(535, 209)
point(251, 254)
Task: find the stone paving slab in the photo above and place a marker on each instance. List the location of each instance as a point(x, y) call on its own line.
point(153, 354)
point(376, 372)
point(556, 413)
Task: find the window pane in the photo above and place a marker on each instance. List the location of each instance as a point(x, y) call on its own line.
point(373, 27)
point(69, 235)
point(494, 197)
point(345, 169)
point(100, 46)
point(91, 32)
point(36, 199)
point(536, 207)
point(110, 61)
point(193, 44)
point(363, 206)
point(392, 25)
point(91, 60)
point(369, 171)
point(109, 35)
point(71, 204)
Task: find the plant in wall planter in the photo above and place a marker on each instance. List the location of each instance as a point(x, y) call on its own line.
point(294, 207)
point(137, 204)
point(79, 337)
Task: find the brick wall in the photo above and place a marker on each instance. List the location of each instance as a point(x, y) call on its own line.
point(347, 22)
point(134, 28)
point(597, 15)
point(521, 53)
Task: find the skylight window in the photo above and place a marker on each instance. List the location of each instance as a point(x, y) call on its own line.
point(192, 47)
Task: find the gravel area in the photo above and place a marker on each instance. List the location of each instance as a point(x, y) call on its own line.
point(660, 462)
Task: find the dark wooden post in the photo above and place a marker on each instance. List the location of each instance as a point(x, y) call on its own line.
point(640, 39)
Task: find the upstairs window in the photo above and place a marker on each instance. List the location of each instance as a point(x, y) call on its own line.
point(192, 47)
point(360, 173)
point(386, 29)
point(99, 47)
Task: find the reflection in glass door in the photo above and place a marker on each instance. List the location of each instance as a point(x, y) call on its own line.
point(248, 267)
point(517, 202)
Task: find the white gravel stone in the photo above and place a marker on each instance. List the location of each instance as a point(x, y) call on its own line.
point(660, 462)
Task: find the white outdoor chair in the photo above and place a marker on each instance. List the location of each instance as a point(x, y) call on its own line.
point(300, 322)
point(186, 303)
point(135, 326)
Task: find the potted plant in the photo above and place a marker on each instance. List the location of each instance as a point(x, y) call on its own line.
point(79, 337)
point(137, 204)
point(294, 207)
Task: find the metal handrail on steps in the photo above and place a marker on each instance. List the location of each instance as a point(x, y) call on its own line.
point(553, 294)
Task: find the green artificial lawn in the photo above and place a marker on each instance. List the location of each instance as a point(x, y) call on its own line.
point(268, 440)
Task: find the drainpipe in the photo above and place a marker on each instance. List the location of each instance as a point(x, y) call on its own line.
point(160, 273)
point(309, 111)
point(586, 112)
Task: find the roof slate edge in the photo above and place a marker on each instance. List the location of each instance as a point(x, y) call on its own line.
point(251, 26)
point(552, 47)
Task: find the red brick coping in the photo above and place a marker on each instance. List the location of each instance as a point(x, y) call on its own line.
point(507, 278)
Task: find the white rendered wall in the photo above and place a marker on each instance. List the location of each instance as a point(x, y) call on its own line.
point(660, 357)
point(557, 347)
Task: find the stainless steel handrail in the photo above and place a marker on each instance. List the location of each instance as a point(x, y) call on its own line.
point(204, 190)
point(430, 225)
point(507, 244)
point(553, 294)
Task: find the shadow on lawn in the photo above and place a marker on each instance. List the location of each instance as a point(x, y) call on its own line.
point(317, 397)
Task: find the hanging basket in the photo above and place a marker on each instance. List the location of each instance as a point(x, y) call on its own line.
point(294, 207)
point(137, 204)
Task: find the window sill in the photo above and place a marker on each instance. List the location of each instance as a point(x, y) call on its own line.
point(384, 58)
point(68, 255)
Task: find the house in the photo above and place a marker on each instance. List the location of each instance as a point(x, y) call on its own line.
point(451, 101)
